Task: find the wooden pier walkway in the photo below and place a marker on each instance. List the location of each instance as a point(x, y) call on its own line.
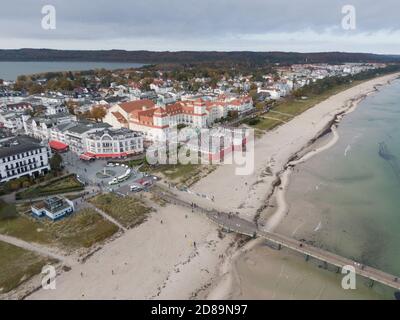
point(234, 223)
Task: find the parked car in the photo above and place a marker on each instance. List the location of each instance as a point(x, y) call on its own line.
point(136, 188)
point(146, 183)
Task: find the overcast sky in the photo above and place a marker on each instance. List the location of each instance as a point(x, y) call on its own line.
point(225, 25)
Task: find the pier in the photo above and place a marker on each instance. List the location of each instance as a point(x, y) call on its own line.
point(232, 222)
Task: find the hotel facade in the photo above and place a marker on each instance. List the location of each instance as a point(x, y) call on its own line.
point(100, 140)
point(155, 122)
point(23, 156)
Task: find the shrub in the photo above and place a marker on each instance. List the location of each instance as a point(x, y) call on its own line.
point(253, 122)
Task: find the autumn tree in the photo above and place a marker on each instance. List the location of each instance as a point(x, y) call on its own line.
point(71, 106)
point(98, 113)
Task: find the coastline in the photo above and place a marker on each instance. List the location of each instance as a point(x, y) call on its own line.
point(159, 260)
point(307, 152)
point(249, 195)
point(230, 283)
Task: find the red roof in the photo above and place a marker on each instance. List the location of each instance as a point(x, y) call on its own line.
point(130, 106)
point(85, 157)
point(104, 155)
point(57, 145)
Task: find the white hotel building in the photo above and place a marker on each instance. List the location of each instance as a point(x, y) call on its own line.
point(91, 140)
point(23, 156)
point(110, 143)
point(155, 121)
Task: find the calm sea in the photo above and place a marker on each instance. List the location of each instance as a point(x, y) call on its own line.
point(355, 186)
point(10, 70)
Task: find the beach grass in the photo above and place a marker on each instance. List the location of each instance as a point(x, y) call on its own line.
point(288, 108)
point(183, 175)
point(18, 265)
point(7, 210)
point(82, 229)
point(128, 211)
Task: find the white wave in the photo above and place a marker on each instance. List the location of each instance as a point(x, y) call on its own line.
point(348, 148)
point(318, 227)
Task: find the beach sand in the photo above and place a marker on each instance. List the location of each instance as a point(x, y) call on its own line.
point(151, 261)
point(265, 273)
point(156, 260)
point(259, 272)
point(248, 193)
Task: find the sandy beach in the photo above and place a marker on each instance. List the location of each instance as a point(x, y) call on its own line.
point(281, 149)
point(184, 257)
point(246, 194)
point(153, 261)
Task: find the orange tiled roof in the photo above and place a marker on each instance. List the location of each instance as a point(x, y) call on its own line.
point(137, 105)
point(120, 118)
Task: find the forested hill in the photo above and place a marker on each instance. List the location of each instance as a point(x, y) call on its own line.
point(154, 57)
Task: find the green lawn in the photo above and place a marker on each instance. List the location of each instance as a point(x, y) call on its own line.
point(7, 210)
point(293, 106)
point(127, 211)
point(180, 174)
point(176, 171)
point(18, 265)
point(64, 184)
point(80, 230)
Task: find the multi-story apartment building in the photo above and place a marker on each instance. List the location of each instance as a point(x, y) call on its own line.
point(40, 127)
point(11, 120)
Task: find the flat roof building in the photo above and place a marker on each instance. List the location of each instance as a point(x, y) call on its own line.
point(53, 207)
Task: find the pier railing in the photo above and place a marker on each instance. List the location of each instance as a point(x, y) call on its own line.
point(232, 222)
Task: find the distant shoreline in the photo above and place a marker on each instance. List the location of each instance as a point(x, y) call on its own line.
point(10, 70)
point(190, 56)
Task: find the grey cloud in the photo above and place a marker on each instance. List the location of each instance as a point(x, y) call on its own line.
point(183, 21)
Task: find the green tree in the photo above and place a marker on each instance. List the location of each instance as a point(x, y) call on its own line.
point(55, 162)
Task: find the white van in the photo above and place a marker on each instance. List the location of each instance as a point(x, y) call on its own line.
point(136, 188)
